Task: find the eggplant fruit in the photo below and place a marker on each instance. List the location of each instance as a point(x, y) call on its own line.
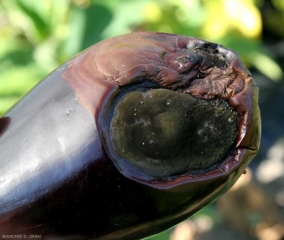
point(127, 139)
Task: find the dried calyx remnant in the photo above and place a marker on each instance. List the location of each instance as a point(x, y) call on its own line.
point(176, 107)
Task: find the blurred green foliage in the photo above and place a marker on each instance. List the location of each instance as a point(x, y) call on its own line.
point(37, 36)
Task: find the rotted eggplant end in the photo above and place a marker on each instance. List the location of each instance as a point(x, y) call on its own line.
point(165, 103)
point(177, 116)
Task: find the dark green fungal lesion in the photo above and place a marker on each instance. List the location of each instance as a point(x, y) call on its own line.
point(165, 133)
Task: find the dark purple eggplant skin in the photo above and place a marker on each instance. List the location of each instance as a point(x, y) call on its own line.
point(56, 176)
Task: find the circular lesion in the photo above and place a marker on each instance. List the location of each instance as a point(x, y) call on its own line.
point(161, 133)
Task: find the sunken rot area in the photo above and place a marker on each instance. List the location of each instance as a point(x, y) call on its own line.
point(176, 108)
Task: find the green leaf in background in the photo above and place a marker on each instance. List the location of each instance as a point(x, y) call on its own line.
point(97, 19)
point(32, 10)
point(266, 65)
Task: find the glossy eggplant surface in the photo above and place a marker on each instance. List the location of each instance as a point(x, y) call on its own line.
point(127, 139)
